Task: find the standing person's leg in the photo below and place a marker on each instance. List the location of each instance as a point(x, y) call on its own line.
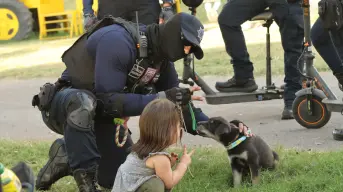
point(116, 8)
point(289, 17)
point(148, 11)
point(233, 15)
point(87, 7)
point(322, 42)
point(88, 14)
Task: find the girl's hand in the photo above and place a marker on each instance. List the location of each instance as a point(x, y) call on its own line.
point(174, 158)
point(186, 158)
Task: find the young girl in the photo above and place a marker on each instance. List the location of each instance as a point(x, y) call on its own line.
point(149, 167)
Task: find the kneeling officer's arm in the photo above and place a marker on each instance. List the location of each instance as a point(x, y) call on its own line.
point(113, 62)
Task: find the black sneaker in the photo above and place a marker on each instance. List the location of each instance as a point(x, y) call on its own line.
point(287, 113)
point(234, 85)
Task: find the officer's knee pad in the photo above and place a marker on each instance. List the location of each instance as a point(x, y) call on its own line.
point(81, 111)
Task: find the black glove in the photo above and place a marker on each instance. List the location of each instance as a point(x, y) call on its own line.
point(180, 96)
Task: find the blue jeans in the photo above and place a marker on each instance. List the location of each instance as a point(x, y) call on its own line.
point(87, 7)
point(290, 21)
point(321, 41)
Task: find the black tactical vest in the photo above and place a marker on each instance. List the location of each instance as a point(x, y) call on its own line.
point(80, 65)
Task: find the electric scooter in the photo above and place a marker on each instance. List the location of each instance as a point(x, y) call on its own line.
point(314, 103)
point(268, 92)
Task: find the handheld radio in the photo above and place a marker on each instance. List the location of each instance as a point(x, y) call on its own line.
point(142, 41)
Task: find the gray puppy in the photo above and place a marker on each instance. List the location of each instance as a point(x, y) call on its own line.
point(251, 155)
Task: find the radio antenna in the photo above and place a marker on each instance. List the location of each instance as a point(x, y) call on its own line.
point(137, 23)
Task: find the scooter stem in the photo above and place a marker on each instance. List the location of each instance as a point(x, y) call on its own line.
point(307, 22)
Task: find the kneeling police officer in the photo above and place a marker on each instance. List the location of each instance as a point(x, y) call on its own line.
point(112, 71)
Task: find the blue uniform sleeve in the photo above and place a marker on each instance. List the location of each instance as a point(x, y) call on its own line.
point(114, 54)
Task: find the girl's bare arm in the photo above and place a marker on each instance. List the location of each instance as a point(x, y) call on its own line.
point(162, 166)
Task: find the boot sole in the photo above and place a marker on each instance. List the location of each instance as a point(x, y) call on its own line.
point(242, 89)
point(56, 144)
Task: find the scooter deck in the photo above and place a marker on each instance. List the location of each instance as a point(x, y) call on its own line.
point(333, 105)
point(238, 97)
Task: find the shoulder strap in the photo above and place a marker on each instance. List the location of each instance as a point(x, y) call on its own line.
point(110, 20)
point(158, 153)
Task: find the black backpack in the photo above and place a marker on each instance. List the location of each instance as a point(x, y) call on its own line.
point(331, 13)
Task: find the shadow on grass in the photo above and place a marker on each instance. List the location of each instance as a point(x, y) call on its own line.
point(297, 170)
point(215, 62)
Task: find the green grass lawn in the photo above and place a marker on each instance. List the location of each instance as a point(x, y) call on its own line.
point(215, 62)
point(298, 171)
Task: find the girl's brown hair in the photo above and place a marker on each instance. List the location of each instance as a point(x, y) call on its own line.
point(158, 125)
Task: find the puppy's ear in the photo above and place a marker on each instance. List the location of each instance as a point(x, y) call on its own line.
point(237, 122)
point(224, 129)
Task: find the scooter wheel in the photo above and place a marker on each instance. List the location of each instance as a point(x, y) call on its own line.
point(320, 114)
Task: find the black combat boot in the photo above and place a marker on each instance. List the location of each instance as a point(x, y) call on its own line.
point(56, 168)
point(237, 85)
point(86, 179)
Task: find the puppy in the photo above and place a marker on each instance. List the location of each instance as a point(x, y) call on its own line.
point(252, 154)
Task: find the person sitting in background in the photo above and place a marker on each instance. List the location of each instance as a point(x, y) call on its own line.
point(148, 11)
point(89, 17)
point(168, 10)
point(325, 47)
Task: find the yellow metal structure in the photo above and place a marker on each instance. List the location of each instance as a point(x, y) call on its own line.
point(9, 24)
point(178, 6)
point(18, 17)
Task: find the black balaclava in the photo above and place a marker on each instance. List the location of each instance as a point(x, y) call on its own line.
point(166, 40)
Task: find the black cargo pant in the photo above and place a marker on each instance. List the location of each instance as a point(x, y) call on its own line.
point(148, 10)
point(86, 148)
point(322, 42)
point(289, 18)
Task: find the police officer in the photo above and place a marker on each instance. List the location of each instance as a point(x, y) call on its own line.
point(325, 47)
point(168, 10)
point(107, 76)
point(288, 16)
